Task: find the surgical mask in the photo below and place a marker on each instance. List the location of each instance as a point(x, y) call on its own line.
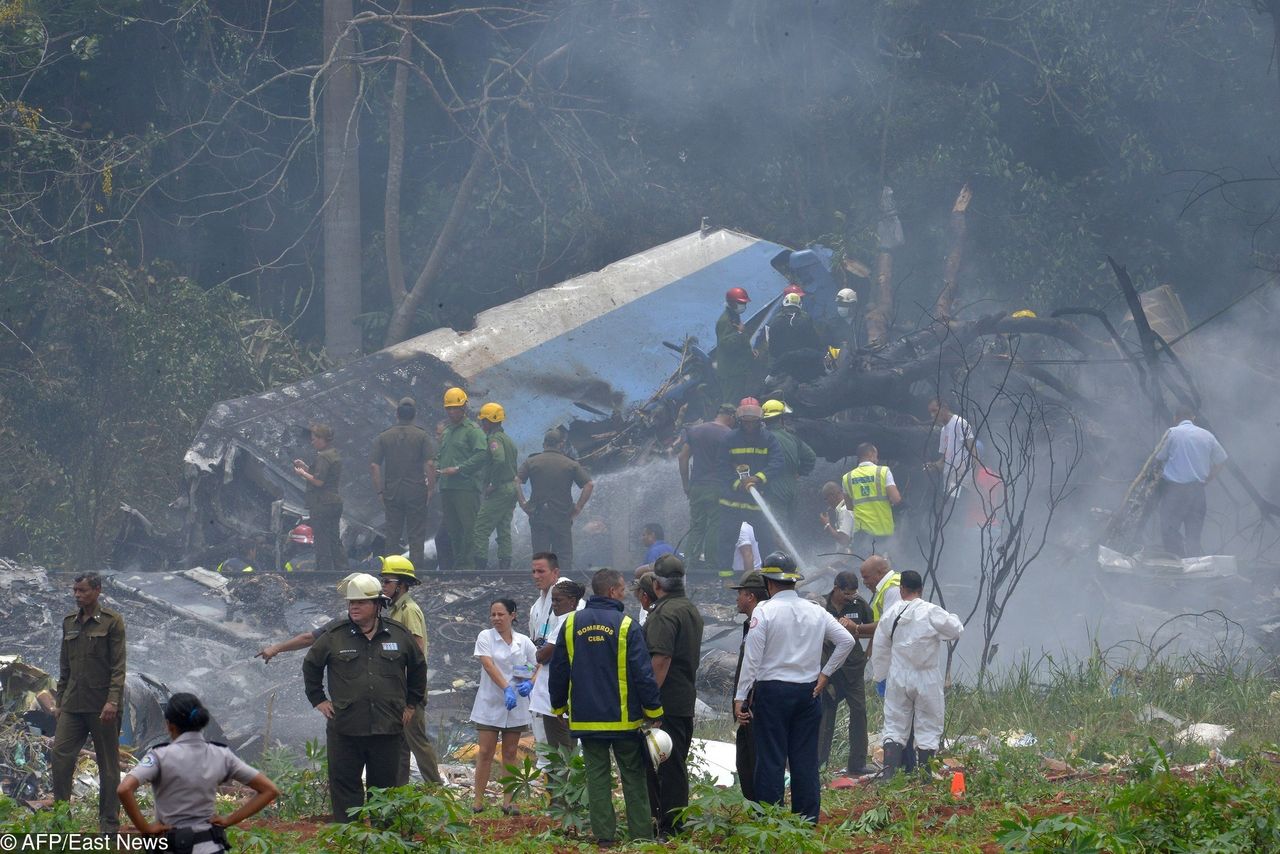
point(843, 310)
point(735, 308)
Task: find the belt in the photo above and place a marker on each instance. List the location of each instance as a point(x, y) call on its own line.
point(183, 839)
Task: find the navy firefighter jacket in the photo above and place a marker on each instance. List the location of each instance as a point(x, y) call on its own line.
point(601, 672)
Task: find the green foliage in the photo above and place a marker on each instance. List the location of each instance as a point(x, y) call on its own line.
point(61, 817)
point(721, 819)
point(566, 774)
point(303, 781)
point(517, 782)
point(412, 811)
point(115, 373)
point(1165, 811)
point(868, 824)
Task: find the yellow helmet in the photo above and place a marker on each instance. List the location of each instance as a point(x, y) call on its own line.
point(1023, 312)
point(455, 397)
point(493, 412)
point(774, 408)
point(400, 567)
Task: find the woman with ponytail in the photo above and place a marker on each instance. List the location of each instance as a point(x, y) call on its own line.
point(185, 775)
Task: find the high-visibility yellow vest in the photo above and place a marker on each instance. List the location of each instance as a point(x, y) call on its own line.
point(867, 494)
point(877, 602)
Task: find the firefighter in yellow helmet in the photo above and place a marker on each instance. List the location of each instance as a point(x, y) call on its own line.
point(398, 579)
point(460, 462)
point(497, 488)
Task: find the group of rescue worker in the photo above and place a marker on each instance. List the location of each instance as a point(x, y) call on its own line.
point(625, 692)
point(473, 469)
point(791, 343)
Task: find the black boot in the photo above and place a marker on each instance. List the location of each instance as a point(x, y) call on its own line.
point(925, 760)
point(892, 761)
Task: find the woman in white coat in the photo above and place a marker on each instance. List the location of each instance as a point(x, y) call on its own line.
point(508, 662)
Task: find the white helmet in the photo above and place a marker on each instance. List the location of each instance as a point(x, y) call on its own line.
point(846, 296)
point(792, 301)
point(360, 585)
point(658, 743)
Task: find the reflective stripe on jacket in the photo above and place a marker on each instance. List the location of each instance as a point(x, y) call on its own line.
point(877, 601)
point(869, 498)
point(601, 673)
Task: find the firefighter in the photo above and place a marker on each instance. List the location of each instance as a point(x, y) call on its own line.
point(799, 460)
point(750, 458)
point(498, 489)
point(602, 677)
point(700, 450)
point(735, 359)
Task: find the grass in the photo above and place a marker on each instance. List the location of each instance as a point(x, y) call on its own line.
point(1102, 776)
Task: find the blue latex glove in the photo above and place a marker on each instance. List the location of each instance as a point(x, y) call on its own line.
point(880, 687)
point(524, 687)
point(510, 694)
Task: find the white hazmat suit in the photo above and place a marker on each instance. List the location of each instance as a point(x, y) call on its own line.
point(905, 651)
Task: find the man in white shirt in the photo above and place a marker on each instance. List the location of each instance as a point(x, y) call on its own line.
point(905, 657)
point(1192, 457)
point(957, 445)
point(545, 570)
point(746, 554)
point(782, 672)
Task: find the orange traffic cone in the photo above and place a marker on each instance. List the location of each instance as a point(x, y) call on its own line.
point(957, 785)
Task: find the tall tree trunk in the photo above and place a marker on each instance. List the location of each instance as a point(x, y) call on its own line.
point(398, 328)
point(341, 187)
point(882, 300)
point(395, 164)
point(889, 233)
point(943, 309)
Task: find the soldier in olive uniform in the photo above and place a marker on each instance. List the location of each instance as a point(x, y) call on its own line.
point(324, 502)
point(498, 481)
point(463, 455)
point(377, 681)
point(551, 508)
point(400, 466)
point(89, 695)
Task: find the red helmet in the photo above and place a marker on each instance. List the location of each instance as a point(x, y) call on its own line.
point(738, 295)
point(303, 535)
point(793, 288)
point(748, 401)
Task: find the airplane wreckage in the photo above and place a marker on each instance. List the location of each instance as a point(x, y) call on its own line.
point(622, 359)
point(595, 355)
